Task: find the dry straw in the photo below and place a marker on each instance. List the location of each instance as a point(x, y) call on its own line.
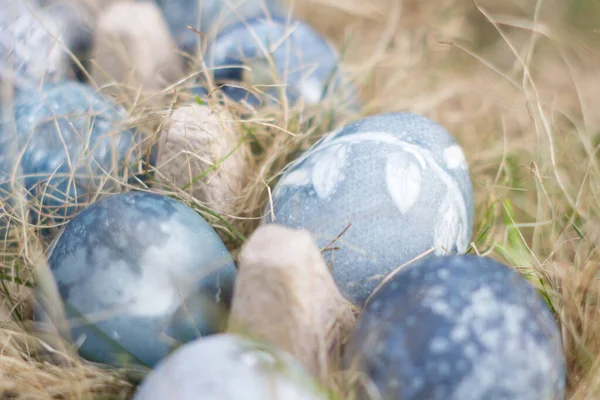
point(514, 83)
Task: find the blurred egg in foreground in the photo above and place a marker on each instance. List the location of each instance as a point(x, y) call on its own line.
point(232, 367)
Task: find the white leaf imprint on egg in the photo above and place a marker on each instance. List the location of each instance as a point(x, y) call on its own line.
point(327, 170)
point(455, 158)
point(331, 155)
point(447, 226)
point(403, 180)
point(298, 177)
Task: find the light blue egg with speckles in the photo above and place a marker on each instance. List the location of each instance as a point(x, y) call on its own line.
point(229, 367)
point(458, 327)
point(210, 16)
point(145, 271)
point(306, 66)
point(399, 181)
point(70, 141)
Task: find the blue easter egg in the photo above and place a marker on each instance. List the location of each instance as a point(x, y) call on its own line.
point(401, 184)
point(30, 45)
point(208, 16)
point(229, 366)
point(306, 66)
point(70, 141)
point(457, 327)
point(138, 274)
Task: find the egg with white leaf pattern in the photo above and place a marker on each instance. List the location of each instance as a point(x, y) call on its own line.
point(457, 327)
point(138, 274)
point(399, 181)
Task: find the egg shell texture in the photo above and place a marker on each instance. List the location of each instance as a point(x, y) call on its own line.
point(306, 65)
point(210, 16)
point(399, 181)
point(31, 49)
point(458, 327)
point(69, 139)
point(139, 265)
point(228, 367)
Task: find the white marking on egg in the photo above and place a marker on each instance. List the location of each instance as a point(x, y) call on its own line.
point(162, 285)
point(439, 345)
point(454, 157)
point(403, 181)
point(446, 230)
point(327, 170)
point(297, 177)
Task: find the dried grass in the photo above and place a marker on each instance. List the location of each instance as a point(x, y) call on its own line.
point(514, 83)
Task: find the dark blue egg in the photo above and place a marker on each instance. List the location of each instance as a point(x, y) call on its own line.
point(378, 192)
point(70, 142)
point(209, 16)
point(139, 273)
point(457, 327)
point(306, 66)
point(30, 45)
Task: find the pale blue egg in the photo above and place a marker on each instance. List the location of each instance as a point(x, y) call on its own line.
point(145, 272)
point(69, 141)
point(210, 16)
point(305, 65)
point(232, 367)
point(457, 327)
point(399, 181)
point(30, 45)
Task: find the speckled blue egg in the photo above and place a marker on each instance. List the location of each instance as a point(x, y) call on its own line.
point(306, 66)
point(393, 185)
point(72, 140)
point(457, 327)
point(30, 45)
point(229, 367)
point(138, 274)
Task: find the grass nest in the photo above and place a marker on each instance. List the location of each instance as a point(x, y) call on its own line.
point(515, 85)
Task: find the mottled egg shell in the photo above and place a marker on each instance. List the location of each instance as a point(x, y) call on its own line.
point(30, 45)
point(399, 179)
point(209, 16)
point(70, 142)
point(146, 271)
point(228, 367)
point(305, 65)
point(457, 327)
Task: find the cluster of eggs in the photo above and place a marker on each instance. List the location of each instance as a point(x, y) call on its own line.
point(140, 274)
